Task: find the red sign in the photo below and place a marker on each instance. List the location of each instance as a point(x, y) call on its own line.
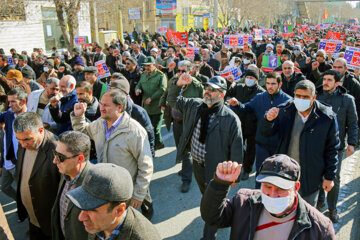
point(170, 30)
point(330, 47)
point(335, 36)
point(234, 41)
point(178, 38)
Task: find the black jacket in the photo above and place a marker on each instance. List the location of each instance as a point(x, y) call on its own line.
point(133, 79)
point(311, 74)
point(6, 69)
point(343, 105)
point(288, 86)
point(319, 142)
point(97, 87)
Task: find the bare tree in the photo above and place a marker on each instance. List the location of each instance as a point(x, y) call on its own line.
point(70, 9)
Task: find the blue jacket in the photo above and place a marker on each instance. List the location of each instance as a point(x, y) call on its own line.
point(259, 105)
point(319, 142)
point(62, 116)
point(8, 118)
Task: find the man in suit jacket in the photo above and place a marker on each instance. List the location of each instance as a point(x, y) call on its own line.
point(38, 177)
point(104, 198)
point(72, 156)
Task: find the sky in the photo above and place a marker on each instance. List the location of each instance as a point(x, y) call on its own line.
point(353, 3)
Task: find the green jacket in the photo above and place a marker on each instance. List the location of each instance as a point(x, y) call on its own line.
point(153, 86)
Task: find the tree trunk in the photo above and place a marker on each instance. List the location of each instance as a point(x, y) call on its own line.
point(61, 19)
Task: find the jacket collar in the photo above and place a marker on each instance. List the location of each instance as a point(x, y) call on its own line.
point(68, 97)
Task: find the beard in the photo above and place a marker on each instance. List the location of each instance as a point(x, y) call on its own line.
point(211, 101)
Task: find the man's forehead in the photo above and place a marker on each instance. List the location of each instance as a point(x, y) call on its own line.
point(303, 92)
point(272, 185)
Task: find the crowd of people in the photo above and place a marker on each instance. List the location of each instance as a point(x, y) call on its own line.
point(80, 147)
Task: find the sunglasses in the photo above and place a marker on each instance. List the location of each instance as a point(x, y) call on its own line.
point(210, 89)
point(61, 157)
point(181, 71)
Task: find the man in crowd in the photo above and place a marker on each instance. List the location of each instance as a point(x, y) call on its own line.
point(60, 109)
point(49, 71)
point(137, 54)
point(343, 104)
point(4, 66)
point(28, 75)
point(103, 199)
point(17, 105)
point(38, 178)
point(22, 65)
point(71, 157)
point(317, 67)
point(78, 71)
point(84, 94)
point(132, 72)
point(38, 102)
point(14, 79)
point(277, 211)
point(308, 132)
point(244, 93)
point(193, 89)
point(98, 87)
point(152, 85)
point(121, 140)
point(290, 78)
point(208, 124)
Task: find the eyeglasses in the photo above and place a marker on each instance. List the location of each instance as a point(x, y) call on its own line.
point(127, 63)
point(61, 157)
point(181, 71)
point(210, 89)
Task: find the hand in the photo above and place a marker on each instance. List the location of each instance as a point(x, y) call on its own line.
point(349, 150)
point(272, 114)
point(79, 109)
point(138, 92)
point(308, 60)
point(296, 64)
point(315, 65)
point(148, 101)
point(135, 203)
point(357, 72)
point(328, 185)
point(233, 102)
point(184, 79)
point(54, 101)
point(228, 171)
point(172, 65)
point(329, 56)
point(163, 108)
point(46, 125)
point(230, 78)
point(159, 67)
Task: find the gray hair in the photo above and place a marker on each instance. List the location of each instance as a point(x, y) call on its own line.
point(187, 64)
point(306, 85)
point(19, 92)
point(76, 142)
point(289, 62)
point(27, 121)
point(51, 80)
point(342, 60)
point(118, 97)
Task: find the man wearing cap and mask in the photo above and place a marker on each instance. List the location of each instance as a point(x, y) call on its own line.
point(308, 132)
point(244, 93)
point(49, 71)
point(277, 211)
point(211, 132)
point(103, 199)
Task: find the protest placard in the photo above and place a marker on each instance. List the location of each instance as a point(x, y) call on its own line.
point(335, 35)
point(162, 29)
point(352, 57)
point(10, 61)
point(237, 41)
point(330, 46)
point(80, 40)
point(134, 14)
point(191, 51)
point(258, 34)
point(231, 71)
point(268, 32)
point(269, 63)
point(178, 38)
point(102, 69)
point(287, 30)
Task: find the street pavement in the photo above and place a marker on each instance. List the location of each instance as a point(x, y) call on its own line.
point(177, 215)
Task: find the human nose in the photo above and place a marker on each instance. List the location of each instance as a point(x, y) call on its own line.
point(82, 216)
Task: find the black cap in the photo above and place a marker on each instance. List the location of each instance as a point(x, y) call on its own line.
point(252, 73)
point(198, 57)
point(217, 82)
point(91, 69)
point(279, 170)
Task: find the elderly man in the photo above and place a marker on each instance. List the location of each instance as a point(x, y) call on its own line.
point(308, 132)
point(98, 87)
point(38, 178)
point(60, 109)
point(121, 140)
point(211, 132)
point(153, 84)
point(277, 211)
point(71, 157)
point(290, 78)
point(103, 199)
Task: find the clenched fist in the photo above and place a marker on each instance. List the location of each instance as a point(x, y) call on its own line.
point(54, 101)
point(272, 114)
point(228, 171)
point(233, 102)
point(79, 109)
point(172, 65)
point(184, 79)
point(315, 65)
point(138, 92)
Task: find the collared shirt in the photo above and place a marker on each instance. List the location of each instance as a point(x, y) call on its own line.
point(109, 131)
point(197, 148)
point(304, 119)
point(114, 233)
point(64, 201)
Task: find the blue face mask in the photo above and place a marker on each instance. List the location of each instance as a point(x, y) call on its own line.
point(302, 104)
point(249, 82)
point(296, 52)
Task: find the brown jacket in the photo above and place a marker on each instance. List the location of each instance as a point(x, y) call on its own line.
point(74, 229)
point(43, 182)
point(243, 211)
point(9, 84)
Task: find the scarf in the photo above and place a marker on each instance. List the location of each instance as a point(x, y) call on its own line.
point(205, 113)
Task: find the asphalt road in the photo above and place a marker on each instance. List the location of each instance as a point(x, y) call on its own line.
point(177, 215)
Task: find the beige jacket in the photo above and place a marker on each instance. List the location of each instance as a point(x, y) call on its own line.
point(128, 147)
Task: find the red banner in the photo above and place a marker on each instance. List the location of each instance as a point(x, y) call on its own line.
point(335, 36)
point(178, 38)
point(170, 30)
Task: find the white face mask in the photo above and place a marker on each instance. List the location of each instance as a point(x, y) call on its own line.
point(246, 61)
point(46, 69)
point(249, 82)
point(302, 104)
point(276, 205)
